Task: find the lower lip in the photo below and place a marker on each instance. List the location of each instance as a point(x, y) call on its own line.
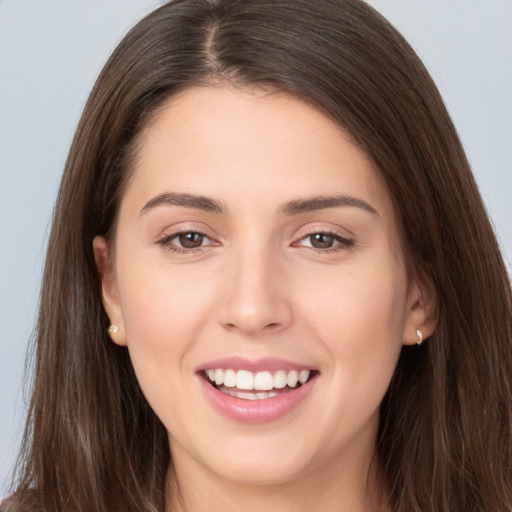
point(256, 411)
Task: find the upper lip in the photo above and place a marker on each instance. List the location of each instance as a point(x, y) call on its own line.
point(269, 364)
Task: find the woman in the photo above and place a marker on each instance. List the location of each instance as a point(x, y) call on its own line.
point(271, 283)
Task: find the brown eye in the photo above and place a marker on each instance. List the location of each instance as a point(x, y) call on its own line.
point(187, 242)
point(322, 240)
point(190, 240)
point(325, 241)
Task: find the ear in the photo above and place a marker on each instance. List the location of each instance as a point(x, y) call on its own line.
point(422, 311)
point(109, 293)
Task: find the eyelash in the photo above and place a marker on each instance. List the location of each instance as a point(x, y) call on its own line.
point(343, 243)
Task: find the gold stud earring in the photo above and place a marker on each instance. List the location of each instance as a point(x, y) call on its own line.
point(113, 329)
point(420, 337)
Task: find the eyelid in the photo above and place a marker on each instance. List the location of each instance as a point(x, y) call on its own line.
point(323, 226)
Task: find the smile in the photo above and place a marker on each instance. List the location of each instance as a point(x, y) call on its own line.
point(256, 392)
point(261, 385)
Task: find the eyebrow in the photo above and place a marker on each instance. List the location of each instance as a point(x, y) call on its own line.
point(295, 207)
point(299, 206)
point(185, 200)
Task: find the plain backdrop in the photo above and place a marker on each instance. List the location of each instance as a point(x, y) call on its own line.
point(50, 55)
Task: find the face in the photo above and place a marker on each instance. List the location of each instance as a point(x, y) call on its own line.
point(257, 282)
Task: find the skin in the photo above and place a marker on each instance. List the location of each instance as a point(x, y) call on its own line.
point(256, 287)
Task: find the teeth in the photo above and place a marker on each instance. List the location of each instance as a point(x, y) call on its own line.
point(263, 381)
point(292, 378)
point(229, 378)
point(262, 395)
point(303, 376)
point(244, 380)
point(280, 379)
point(259, 381)
point(241, 394)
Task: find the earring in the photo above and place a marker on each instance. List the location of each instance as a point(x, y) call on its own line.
point(113, 329)
point(420, 337)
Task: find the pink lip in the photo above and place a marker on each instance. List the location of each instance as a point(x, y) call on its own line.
point(253, 365)
point(254, 411)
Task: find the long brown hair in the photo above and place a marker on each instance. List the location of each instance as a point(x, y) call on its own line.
point(445, 442)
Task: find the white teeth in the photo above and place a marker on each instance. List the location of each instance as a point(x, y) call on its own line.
point(263, 381)
point(280, 379)
point(304, 376)
point(229, 378)
point(240, 394)
point(292, 378)
point(244, 380)
point(259, 381)
point(266, 394)
point(262, 395)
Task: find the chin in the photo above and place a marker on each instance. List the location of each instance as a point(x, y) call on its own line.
point(259, 471)
point(259, 461)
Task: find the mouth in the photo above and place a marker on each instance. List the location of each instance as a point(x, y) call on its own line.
point(262, 385)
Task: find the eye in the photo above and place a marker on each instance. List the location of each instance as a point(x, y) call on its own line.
point(325, 241)
point(189, 240)
point(185, 241)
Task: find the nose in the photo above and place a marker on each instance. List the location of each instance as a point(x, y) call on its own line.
point(255, 298)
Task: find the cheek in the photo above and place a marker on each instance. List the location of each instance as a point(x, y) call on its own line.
point(159, 302)
point(164, 312)
point(358, 322)
point(359, 319)
point(359, 301)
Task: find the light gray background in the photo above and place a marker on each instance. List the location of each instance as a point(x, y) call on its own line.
point(50, 55)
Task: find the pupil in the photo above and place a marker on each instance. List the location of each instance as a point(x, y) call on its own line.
point(322, 241)
point(191, 240)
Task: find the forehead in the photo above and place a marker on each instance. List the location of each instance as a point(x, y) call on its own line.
point(227, 143)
